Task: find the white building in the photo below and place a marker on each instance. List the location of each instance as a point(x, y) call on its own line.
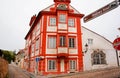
point(99, 52)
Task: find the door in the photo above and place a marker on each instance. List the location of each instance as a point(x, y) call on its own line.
point(62, 65)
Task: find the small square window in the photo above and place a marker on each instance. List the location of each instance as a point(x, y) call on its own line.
point(90, 41)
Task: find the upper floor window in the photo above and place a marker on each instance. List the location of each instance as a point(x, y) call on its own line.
point(62, 41)
point(62, 18)
point(32, 49)
point(72, 42)
point(98, 57)
point(52, 42)
point(71, 22)
point(52, 21)
point(90, 41)
point(72, 64)
point(37, 44)
point(51, 64)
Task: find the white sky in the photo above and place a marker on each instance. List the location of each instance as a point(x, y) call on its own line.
point(15, 16)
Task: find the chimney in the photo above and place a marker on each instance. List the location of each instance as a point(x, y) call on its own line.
point(32, 20)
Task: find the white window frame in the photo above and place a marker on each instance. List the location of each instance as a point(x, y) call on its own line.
point(37, 44)
point(72, 64)
point(71, 42)
point(52, 21)
point(90, 41)
point(52, 42)
point(62, 41)
point(62, 18)
point(52, 65)
point(98, 58)
point(71, 22)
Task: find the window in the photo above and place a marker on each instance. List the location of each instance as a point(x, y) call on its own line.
point(32, 49)
point(37, 44)
point(98, 58)
point(62, 41)
point(52, 21)
point(71, 22)
point(38, 29)
point(90, 41)
point(52, 42)
point(51, 64)
point(62, 18)
point(72, 64)
point(71, 42)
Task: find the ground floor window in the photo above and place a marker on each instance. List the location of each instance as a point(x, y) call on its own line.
point(72, 64)
point(98, 57)
point(51, 64)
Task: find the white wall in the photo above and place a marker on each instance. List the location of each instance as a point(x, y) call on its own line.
point(100, 43)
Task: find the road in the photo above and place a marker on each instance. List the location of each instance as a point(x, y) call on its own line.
point(15, 72)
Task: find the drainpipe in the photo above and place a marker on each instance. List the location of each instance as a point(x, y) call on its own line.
point(117, 58)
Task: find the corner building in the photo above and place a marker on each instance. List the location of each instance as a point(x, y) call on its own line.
point(55, 38)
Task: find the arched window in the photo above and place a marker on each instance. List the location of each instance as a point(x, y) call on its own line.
point(98, 57)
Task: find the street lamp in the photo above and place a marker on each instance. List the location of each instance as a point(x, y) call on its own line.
point(86, 48)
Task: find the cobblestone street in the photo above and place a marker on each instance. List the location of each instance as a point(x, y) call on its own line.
point(15, 72)
point(101, 73)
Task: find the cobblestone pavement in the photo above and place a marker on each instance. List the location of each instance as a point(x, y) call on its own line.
point(103, 73)
point(15, 72)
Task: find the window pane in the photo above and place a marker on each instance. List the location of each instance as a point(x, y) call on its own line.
point(52, 42)
point(51, 65)
point(71, 42)
point(72, 64)
point(70, 22)
point(99, 58)
point(52, 21)
point(37, 44)
point(90, 41)
point(62, 18)
point(62, 41)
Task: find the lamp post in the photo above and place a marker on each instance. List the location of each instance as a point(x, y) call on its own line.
point(86, 48)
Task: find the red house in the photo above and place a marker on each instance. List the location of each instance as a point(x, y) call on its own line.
point(55, 38)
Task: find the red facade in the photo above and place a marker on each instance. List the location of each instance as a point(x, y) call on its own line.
point(55, 38)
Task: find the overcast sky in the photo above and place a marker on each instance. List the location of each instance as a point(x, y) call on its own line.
point(15, 16)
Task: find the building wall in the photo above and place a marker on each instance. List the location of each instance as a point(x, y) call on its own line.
point(99, 43)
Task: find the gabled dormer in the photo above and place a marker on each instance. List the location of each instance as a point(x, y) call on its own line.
point(62, 4)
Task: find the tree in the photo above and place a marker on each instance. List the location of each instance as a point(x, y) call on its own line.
point(8, 55)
